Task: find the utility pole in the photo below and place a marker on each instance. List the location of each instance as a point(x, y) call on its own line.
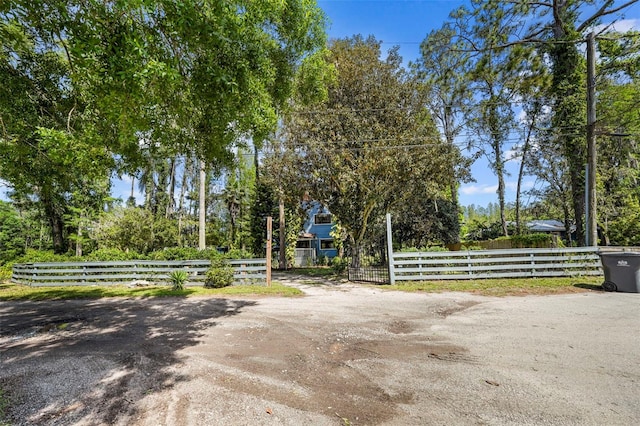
point(591, 222)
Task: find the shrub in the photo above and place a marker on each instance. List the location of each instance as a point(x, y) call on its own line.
point(178, 279)
point(235, 253)
point(38, 256)
point(339, 264)
point(220, 274)
point(112, 254)
point(180, 253)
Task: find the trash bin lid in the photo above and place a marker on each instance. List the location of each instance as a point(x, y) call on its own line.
point(619, 253)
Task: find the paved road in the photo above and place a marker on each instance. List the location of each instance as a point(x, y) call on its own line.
point(343, 354)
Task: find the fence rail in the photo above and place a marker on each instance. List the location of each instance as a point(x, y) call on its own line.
point(512, 263)
point(128, 272)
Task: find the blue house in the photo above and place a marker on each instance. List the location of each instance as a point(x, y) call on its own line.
point(315, 241)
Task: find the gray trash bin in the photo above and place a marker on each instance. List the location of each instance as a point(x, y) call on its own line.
point(621, 271)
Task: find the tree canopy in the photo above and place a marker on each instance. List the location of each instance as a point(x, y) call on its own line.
point(90, 90)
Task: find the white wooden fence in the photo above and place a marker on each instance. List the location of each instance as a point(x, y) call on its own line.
point(512, 263)
point(127, 272)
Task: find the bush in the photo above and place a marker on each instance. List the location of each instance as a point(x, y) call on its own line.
point(181, 253)
point(178, 279)
point(112, 254)
point(220, 274)
point(236, 254)
point(339, 264)
point(6, 271)
point(38, 256)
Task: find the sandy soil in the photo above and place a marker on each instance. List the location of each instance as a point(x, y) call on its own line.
point(343, 354)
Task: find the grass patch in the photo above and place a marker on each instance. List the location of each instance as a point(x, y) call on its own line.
point(4, 405)
point(503, 287)
point(21, 292)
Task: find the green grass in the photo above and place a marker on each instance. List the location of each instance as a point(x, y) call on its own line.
point(502, 287)
point(4, 404)
point(21, 292)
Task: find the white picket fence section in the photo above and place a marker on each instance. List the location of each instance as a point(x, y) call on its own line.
point(131, 272)
point(478, 264)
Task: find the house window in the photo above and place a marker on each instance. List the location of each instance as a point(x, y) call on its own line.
point(327, 245)
point(303, 244)
point(323, 219)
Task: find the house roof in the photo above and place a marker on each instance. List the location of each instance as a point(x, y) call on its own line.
point(549, 225)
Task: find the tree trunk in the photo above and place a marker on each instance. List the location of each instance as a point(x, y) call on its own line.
point(79, 242)
point(172, 188)
point(56, 224)
point(501, 189)
point(202, 243)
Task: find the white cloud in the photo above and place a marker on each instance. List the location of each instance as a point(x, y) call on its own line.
point(478, 189)
point(621, 26)
point(526, 184)
point(512, 155)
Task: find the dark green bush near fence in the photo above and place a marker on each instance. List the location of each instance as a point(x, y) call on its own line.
point(110, 255)
point(220, 274)
point(339, 264)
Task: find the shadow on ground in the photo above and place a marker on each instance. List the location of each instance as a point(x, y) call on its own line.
point(63, 361)
point(594, 287)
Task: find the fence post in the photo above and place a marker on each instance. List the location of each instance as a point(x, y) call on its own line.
point(533, 264)
point(392, 277)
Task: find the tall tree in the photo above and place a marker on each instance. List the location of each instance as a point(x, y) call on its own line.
point(371, 142)
point(442, 66)
point(619, 138)
point(496, 77)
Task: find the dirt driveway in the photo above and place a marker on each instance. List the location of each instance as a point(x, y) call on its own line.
point(341, 355)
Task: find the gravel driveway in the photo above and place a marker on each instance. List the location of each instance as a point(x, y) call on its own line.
point(342, 355)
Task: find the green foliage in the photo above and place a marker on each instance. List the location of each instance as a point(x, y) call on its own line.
point(339, 264)
point(294, 218)
point(6, 271)
point(353, 162)
point(219, 275)
point(12, 243)
point(178, 279)
point(624, 228)
point(540, 239)
point(4, 405)
point(112, 254)
point(426, 221)
point(264, 205)
point(181, 253)
point(37, 256)
point(84, 86)
point(425, 249)
point(135, 229)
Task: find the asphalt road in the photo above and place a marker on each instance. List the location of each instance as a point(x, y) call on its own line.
point(343, 354)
